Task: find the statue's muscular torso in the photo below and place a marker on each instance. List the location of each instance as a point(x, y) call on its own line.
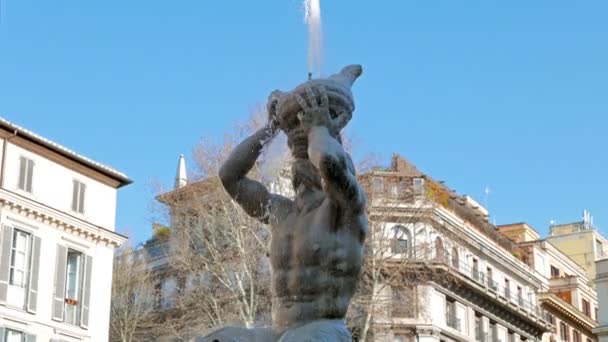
point(316, 255)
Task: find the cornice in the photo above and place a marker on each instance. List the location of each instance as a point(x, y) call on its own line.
point(567, 309)
point(52, 217)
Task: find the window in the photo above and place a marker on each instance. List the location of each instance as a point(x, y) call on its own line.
point(19, 258)
point(19, 264)
point(507, 289)
point(378, 184)
point(72, 287)
point(491, 283)
point(394, 190)
point(450, 314)
point(596, 315)
point(475, 269)
point(78, 191)
point(14, 336)
point(492, 336)
point(479, 335)
point(563, 331)
point(576, 336)
point(599, 251)
point(554, 272)
point(419, 185)
point(455, 258)
point(551, 320)
point(26, 174)
point(401, 302)
point(401, 240)
point(520, 296)
point(586, 308)
point(439, 252)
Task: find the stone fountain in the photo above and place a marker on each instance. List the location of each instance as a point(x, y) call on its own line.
point(316, 249)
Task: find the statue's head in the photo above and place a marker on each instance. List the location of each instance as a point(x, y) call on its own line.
point(340, 97)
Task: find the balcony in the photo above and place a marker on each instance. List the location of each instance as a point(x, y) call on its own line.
point(565, 282)
point(445, 268)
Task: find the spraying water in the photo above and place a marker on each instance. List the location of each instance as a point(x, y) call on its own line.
point(312, 17)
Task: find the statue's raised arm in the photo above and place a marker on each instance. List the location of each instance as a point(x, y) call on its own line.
point(325, 151)
point(250, 194)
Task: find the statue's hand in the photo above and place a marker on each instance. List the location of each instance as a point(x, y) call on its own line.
point(271, 106)
point(315, 111)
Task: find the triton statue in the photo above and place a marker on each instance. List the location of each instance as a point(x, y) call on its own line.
point(316, 249)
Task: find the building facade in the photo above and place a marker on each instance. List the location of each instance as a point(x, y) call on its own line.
point(462, 279)
point(567, 293)
point(581, 242)
point(602, 291)
point(57, 238)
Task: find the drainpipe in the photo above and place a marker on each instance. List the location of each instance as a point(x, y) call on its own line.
point(2, 166)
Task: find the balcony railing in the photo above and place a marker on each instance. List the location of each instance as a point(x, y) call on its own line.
point(431, 255)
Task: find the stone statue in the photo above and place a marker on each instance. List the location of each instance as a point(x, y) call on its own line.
point(316, 249)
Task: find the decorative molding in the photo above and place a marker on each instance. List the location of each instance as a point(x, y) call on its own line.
point(59, 220)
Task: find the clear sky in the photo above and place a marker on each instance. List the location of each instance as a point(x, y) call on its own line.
point(510, 95)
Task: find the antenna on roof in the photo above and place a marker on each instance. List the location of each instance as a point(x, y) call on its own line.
point(587, 219)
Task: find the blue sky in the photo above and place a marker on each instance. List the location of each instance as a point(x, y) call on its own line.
point(510, 95)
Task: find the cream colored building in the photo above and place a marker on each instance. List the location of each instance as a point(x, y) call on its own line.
point(581, 242)
point(567, 293)
point(602, 291)
point(57, 238)
point(461, 280)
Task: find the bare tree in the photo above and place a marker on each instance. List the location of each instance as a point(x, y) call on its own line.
point(218, 254)
point(387, 289)
point(132, 294)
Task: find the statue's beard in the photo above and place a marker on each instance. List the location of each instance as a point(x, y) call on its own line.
point(304, 173)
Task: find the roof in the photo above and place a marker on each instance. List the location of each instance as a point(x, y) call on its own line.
point(64, 151)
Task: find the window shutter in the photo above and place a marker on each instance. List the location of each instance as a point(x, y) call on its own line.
point(59, 295)
point(30, 175)
point(30, 338)
point(75, 196)
point(21, 184)
point(81, 198)
point(86, 292)
point(1, 333)
point(32, 297)
point(5, 260)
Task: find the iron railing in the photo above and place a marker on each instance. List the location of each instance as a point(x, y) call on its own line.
point(428, 254)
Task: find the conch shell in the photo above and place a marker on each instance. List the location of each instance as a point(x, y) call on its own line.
point(338, 87)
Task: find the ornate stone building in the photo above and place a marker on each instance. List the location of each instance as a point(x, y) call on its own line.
point(602, 290)
point(463, 279)
point(568, 294)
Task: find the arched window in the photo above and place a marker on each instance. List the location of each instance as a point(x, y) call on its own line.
point(455, 258)
point(401, 240)
point(439, 252)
